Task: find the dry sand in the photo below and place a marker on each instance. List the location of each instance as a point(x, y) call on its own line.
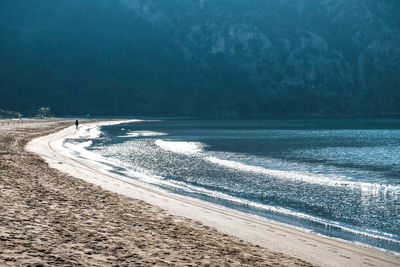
point(51, 218)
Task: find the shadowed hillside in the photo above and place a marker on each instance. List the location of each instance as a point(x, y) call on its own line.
point(217, 58)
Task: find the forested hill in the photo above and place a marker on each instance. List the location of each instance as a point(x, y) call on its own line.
point(217, 58)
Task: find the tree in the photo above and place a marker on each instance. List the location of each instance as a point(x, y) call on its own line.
point(44, 112)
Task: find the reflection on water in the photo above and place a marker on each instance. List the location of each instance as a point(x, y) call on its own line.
point(338, 178)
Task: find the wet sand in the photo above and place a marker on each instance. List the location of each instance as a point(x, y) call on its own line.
point(50, 218)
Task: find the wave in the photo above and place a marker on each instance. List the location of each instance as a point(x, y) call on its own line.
point(196, 148)
point(87, 132)
point(141, 134)
point(284, 211)
point(331, 180)
point(147, 177)
point(80, 150)
point(76, 148)
point(180, 146)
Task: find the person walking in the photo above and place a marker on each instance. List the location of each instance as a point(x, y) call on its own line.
point(76, 124)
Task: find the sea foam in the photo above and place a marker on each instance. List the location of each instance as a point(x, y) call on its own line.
point(180, 146)
point(87, 132)
point(327, 180)
point(142, 134)
point(242, 164)
point(285, 211)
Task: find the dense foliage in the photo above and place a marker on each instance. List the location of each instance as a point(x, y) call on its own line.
point(217, 58)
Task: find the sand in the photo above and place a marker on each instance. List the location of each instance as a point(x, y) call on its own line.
point(50, 218)
point(47, 216)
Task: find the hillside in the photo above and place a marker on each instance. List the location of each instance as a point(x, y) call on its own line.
point(214, 58)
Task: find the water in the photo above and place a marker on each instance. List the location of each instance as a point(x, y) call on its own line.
point(336, 178)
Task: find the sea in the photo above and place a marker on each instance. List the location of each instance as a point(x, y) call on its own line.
point(337, 178)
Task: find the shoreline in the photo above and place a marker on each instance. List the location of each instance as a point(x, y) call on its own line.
point(50, 218)
point(271, 235)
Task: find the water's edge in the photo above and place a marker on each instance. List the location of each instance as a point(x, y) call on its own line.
point(286, 216)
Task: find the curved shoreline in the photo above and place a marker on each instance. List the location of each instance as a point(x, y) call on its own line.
point(273, 236)
point(50, 218)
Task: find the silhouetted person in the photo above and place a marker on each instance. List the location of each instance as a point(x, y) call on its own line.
point(76, 124)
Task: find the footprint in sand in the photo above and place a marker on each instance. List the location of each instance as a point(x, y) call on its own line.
point(367, 263)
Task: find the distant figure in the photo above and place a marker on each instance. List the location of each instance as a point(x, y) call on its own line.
point(76, 124)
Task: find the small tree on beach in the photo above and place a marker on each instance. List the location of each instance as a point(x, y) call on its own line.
point(44, 111)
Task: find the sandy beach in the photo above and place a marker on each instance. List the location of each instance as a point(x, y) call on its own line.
point(72, 213)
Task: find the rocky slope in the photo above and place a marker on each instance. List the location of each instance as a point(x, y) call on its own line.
point(253, 58)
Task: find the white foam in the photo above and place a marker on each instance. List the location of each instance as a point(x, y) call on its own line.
point(279, 210)
point(180, 146)
point(326, 180)
point(80, 149)
point(87, 132)
point(92, 131)
point(142, 134)
point(144, 176)
point(196, 147)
